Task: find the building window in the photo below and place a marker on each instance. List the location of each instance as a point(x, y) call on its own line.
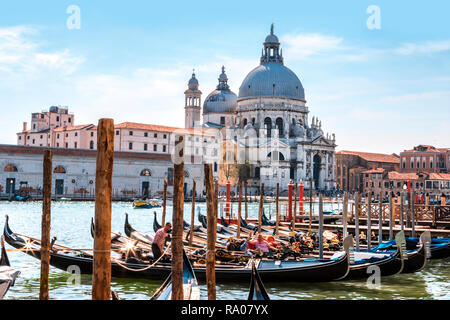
point(91, 145)
point(155, 147)
point(92, 134)
point(215, 166)
point(41, 137)
point(145, 147)
point(164, 148)
point(117, 132)
point(76, 145)
point(155, 135)
point(57, 144)
point(34, 141)
point(67, 145)
point(257, 172)
point(146, 134)
point(130, 146)
point(20, 137)
point(69, 120)
point(57, 119)
point(76, 134)
point(131, 133)
point(222, 120)
point(57, 136)
point(146, 173)
point(165, 136)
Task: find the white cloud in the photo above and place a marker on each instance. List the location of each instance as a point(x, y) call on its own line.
point(428, 47)
point(20, 56)
point(302, 46)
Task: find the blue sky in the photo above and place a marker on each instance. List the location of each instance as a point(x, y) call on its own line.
point(380, 90)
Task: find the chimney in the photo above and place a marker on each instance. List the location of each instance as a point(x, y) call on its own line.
point(25, 126)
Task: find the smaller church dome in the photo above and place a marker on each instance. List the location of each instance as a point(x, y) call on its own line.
point(297, 130)
point(221, 100)
point(193, 82)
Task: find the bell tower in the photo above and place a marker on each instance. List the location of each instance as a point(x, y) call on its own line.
point(192, 103)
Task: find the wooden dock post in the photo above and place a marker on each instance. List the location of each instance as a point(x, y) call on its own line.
point(177, 220)
point(380, 219)
point(245, 201)
point(391, 215)
point(320, 226)
point(344, 215)
point(211, 205)
point(191, 233)
point(402, 208)
point(164, 203)
point(46, 225)
point(369, 220)
point(238, 231)
point(277, 222)
point(413, 214)
point(101, 272)
point(357, 211)
point(294, 214)
point(310, 205)
point(261, 207)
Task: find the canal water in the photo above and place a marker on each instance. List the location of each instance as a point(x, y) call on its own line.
point(71, 226)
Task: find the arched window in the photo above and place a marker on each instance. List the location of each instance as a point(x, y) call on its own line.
point(268, 126)
point(10, 168)
point(59, 169)
point(279, 124)
point(91, 145)
point(276, 156)
point(146, 173)
point(245, 122)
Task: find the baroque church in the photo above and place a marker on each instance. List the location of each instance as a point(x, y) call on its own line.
point(267, 125)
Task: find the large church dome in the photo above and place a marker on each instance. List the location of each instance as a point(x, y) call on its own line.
point(221, 100)
point(272, 78)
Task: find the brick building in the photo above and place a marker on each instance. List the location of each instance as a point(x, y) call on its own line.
point(350, 166)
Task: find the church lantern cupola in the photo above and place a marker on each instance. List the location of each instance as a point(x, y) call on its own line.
point(192, 103)
point(271, 51)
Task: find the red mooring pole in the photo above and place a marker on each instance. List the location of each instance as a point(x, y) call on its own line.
point(290, 187)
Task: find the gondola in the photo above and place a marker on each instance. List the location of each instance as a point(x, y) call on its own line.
point(8, 275)
point(132, 233)
point(220, 229)
point(191, 289)
point(439, 247)
point(257, 290)
point(308, 270)
point(266, 221)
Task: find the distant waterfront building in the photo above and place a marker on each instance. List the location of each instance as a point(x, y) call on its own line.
point(264, 132)
point(425, 158)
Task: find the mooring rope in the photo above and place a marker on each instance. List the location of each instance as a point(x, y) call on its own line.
point(146, 268)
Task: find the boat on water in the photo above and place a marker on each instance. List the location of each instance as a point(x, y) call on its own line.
point(308, 270)
point(8, 275)
point(147, 204)
point(257, 290)
point(191, 290)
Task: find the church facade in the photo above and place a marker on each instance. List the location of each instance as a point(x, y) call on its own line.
point(266, 129)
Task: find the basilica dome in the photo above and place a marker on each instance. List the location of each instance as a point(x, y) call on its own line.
point(221, 100)
point(271, 78)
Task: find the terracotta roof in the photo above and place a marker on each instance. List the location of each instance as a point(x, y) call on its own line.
point(81, 152)
point(374, 157)
point(426, 148)
point(394, 175)
point(439, 176)
point(377, 170)
point(143, 126)
point(73, 128)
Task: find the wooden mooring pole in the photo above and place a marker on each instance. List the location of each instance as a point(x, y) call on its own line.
point(277, 223)
point(357, 212)
point(101, 272)
point(413, 215)
point(238, 231)
point(177, 220)
point(45, 226)
point(191, 232)
point(380, 219)
point(369, 220)
point(245, 201)
point(391, 215)
point(211, 206)
point(164, 203)
point(261, 207)
point(344, 215)
point(320, 226)
point(402, 199)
